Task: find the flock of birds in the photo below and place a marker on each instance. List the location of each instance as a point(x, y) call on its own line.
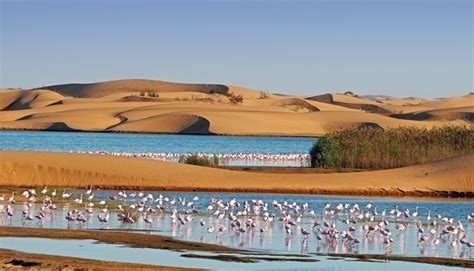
point(249, 216)
point(299, 158)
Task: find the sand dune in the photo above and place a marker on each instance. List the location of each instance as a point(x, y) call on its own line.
point(205, 109)
point(166, 123)
point(297, 105)
point(451, 102)
point(452, 176)
point(131, 86)
point(456, 113)
point(22, 99)
point(351, 101)
point(393, 105)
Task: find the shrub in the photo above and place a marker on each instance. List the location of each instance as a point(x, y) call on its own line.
point(325, 153)
point(149, 93)
point(374, 148)
point(199, 160)
point(234, 98)
point(152, 93)
point(264, 95)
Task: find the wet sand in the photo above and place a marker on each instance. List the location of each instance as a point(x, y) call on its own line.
point(137, 240)
point(427, 260)
point(14, 260)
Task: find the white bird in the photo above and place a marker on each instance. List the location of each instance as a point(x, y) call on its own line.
point(78, 200)
point(210, 229)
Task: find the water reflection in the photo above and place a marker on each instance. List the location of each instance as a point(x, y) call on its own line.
point(90, 249)
point(272, 236)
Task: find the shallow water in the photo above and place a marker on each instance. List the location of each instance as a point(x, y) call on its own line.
point(159, 143)
point(90, 249)
point(275, 239)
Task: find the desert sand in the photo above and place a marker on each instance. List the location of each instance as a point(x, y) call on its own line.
point(449, 177)
point(127, 106)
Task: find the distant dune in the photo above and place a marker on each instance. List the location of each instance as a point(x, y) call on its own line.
point(456, 113)
point(24, 99)
point(102, 89)
point(127, 106)
point(453, 176)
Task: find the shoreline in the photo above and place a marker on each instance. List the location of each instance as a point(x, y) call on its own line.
point(452, 177)
point(316, 136)
point(368, 193)
point(141, 240)
point(17, 260)
point(135, 240)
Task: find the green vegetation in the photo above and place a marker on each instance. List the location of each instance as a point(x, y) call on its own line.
point(200, 161)
point(372, 148)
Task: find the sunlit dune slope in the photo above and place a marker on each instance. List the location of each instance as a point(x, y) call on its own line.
point(448, 176)
point(149, 106)
point(131, 86)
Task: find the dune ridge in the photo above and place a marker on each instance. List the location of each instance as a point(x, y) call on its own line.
point(101, 89)
point(127, 106)
point(449, 177)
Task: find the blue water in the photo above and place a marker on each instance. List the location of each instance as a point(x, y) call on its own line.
point(275, 238)
point(90, 249)
point(233, 150)
point(118, 142)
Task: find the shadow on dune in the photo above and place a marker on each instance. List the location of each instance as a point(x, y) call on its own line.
point(199, 127)
point(329, 99)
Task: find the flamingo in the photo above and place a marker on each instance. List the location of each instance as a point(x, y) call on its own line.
point(11, 200)
point(304, 233)
point(210, 229)
point(66, 195)
point(10, 210)
point(147, 218)
point(78, 200)
point(415, 214)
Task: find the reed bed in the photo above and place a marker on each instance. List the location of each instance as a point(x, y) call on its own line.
point(198, 160)
point(372, 148)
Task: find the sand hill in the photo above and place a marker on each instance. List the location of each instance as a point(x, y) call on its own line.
point(162, 107)
point(131, 86)
point(452, 176)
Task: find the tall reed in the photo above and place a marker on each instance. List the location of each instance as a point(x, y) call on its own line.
point(200, 161)
point(372, 148)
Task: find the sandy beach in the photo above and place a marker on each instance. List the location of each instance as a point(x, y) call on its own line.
point(449, 177)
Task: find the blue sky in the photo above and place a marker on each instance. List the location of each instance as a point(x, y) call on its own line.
point(400, 48)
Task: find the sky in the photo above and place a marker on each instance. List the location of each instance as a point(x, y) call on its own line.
point(400, 48)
